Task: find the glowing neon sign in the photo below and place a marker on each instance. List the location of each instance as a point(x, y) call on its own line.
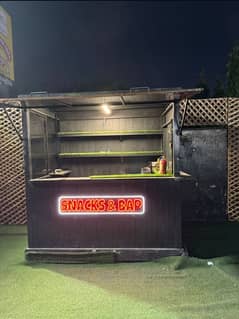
point(101, 205)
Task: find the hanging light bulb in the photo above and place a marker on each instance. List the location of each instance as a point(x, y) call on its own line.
point(106, 108)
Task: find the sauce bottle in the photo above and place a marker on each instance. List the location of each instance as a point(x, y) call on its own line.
point(163, 165)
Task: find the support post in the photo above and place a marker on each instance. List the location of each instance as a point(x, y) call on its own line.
point(176, 138)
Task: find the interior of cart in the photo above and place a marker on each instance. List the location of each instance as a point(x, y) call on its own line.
point(88, 143)
point(101, 135)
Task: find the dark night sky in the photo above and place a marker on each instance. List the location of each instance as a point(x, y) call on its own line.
point(77, 46)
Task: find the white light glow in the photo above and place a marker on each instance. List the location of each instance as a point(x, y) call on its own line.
point(106, 108)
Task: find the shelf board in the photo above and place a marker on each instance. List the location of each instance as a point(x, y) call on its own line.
point(110, 154)
point(128, 176)
point(109, 133)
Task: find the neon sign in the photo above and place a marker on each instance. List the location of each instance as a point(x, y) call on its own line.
point(101, 205)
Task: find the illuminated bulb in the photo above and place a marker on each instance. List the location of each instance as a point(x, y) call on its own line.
point(106, 108)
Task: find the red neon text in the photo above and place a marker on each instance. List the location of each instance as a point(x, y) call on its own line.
point(101, 205)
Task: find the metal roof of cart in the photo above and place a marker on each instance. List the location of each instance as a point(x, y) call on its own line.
point(133, 96)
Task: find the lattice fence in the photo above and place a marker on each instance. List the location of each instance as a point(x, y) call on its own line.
point(12, 182)
point(204, 112)
point(233, 159)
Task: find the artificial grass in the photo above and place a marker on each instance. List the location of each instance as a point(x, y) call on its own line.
point(170, 288)
point(13, 229)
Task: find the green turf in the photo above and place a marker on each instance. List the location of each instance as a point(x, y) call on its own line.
point(172, 288)
point(13, 229)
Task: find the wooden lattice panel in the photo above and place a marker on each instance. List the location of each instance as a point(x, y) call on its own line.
point(233, 161)
point(12, 181)
point(204, 112)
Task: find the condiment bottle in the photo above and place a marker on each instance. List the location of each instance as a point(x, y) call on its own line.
point(163, 165)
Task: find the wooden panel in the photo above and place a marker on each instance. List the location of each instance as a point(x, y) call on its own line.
point(141, 119)
point(100, 166)
point(129, 112)
point(159, 226)
point(112, 144)
point(203, 154)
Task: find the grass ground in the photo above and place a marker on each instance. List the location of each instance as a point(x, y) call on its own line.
point(171, 288)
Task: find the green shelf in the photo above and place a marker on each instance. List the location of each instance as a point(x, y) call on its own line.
point(116, 176)
point(109, 133)
point(110, 154)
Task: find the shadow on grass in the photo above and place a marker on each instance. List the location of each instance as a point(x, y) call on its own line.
point(150, 282)
point(210, 240)
point(183, 285)
point(174, 282)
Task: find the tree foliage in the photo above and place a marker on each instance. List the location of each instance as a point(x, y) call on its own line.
point(202, 83)
point(233, 73)
point(219, 89)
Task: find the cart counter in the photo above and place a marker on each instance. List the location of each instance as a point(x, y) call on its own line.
point(132, 217)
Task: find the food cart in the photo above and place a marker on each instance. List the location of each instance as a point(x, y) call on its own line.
point(88, 193)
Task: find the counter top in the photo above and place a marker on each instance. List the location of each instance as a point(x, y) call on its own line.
point(114, 177)
point(59, 179)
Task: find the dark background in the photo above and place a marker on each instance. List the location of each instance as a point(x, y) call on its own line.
point(73, 46)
